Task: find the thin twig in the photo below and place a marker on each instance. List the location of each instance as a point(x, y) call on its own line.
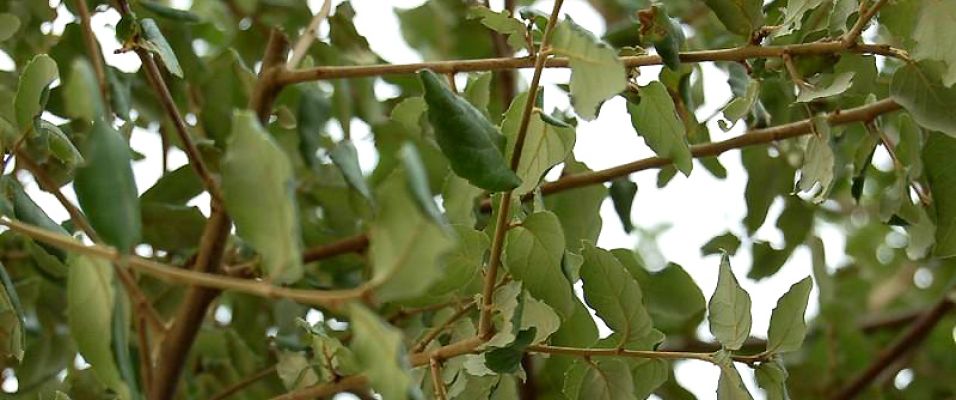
point(891, 149)
point(301, 46)
point(850, 37)
point(905, 343)
point(346, 384)
point(93, 49)
point(436, 331)
point(435, 366)
point(328, 299)
point(145, 354)
point(504, 209)
point(753, 137)
point(243, 383)
point(510, 63)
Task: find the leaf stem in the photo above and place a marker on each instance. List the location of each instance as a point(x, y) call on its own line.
point(485, 330)
point(245, 382)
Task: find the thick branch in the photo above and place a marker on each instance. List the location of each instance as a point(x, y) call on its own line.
point(904, 344)
point(497, 64)
point(752, 138)
point(301, 46)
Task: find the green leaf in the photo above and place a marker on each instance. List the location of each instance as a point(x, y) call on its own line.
point(937, 160)
point(545, 146)
point(345, 158)
point(176, 187)
point(616, 297)
point(740, 106)
point(417, 180)
point(729, 309)
point(39, 73)
point(463, 262)
point(156, 43)
point(664, 32)
point(315, 109)
point(767, 178)
point(295, 370)
point(466, 137)
point(829, 86)
point(600, 379)
point(12, 336)
point(459, 199)
point(478, 91)
point(90, 297)
point(655, 120)
point(726, 243)
point(81, 94)
point(918, 89)
point(173, 14)
point(622, 195)
point(533, 252)
point(578, 209)
point(172, 227)
point(787, 327)
point(259, 191)
point(379, 352)
point(25, 209)
point(818, 162)
point(537, 315)
point(503, 23)
point(9, 25)
point(648, 375)
point(730, 386)
point(106, 189)
point(596, 72)
point(407, 246)
point(932, 33)
point(793, 15)
point(507, 360)
point(738, 16)
point(660, 288)
point(772, 377)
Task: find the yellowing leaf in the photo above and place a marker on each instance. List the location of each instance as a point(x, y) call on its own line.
point(729, 309)
point(259, 190)
point(596, 72)
point(655, 119)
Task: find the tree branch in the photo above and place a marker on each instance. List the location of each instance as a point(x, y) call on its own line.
point(327, 299)
point(435, 366)
point(752, 138)
point(866, 14)
point(905, 343)
point(436, 331)
point(349, 383)
point(301, 46)
point(508, 63)
point(245, 382)
point(504, 206)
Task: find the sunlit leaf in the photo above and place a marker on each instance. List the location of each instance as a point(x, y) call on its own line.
point(596, 72)
point(729, 309)
point(655, 120)
point(156, 43)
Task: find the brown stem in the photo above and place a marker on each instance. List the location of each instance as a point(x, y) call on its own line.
point(93, 49)
point(509, 63)
point(435, 366)
point(145, 354)
point(619, 352)
point(301, 46)
point(436, 331)
point(245, 382)
point(569, 182)
point(905, 343)
point(347, 384)
point(850, 37)
point(504, 209)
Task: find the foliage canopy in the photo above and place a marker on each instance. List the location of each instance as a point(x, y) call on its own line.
point(449, 270)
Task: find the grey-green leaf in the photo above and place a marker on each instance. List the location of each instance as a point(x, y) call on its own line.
point(503, 23)
point(596, 72)
point(259, 190)
point(655, 119)
point(81, 94)
point(787, 327)
point(106, 189)
point(729, 308)
point(830, 85)
point(622, 195)
point(90, 315)
point(617, 298)
point(917, 87)
point(345, 157)
point(156, 43)
point(738, 16)
point(772, 377)
point(601, 379)
point(466, 137)
point(39, 73)
point(379, 352)
point(818, 162)
point(9, 24)
point(407, 246)
point(12, 336)
point(938, 163)
point(545, 144)
point(730, 386)
point(533, 253)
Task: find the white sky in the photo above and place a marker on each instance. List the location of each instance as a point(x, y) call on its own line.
point(696, 208)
